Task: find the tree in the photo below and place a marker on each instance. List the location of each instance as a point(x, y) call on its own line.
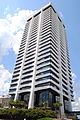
point(57, 105)
point(45, 104)
point(11, 103)
point(1, 106)
point(41, 104)
point(18, 104)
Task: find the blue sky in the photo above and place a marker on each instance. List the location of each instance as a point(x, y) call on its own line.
point(13, 15)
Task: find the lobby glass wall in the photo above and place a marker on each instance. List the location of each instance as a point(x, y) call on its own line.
point(45, 96)
point(24, 97)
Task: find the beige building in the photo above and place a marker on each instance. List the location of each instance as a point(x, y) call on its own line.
point(4, 100)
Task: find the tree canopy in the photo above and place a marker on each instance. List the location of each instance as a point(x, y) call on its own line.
point(18, 104)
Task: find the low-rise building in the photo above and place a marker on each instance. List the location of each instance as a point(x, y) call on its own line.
point(4, 100)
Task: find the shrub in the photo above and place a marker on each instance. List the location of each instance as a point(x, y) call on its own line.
point(12, 113)
point(45, 118)
point(34, 114)
point(29, 114)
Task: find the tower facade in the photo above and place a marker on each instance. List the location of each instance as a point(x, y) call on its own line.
point(42, 71)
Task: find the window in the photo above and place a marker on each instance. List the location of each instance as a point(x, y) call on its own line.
point(65, 92)
point(43, 73)
point(44, 96)
point(17, 71)
point(46, 78)
point(43, 78)
point(47, 84)
point(29, 55)
point(48, 72)
point(70, 78)
point(41, 68)
point(44, 49)
point(63, 68)
point(44, 45)
point(43, 84)
point(29, 63)
point(65, 87)
point(43, 58)
point(13, 85)
point(15, 80)
point(26, 82)
point(12, 97)
point(21, 49)
point(32, 41)
point(15, 75)
point(12, 90)
point(19, 60)
point(18, 63)
point(64, 77)
point(28, 67)
point(28, 72)
point(49, 52)
point(29, 59)
point(27, 77)
point(26, 97)
point(20, 53)
point(17, 67)
point(64, 82)
point(24, 88)
point(64, 73)
point(44, 53)
point(48, 61)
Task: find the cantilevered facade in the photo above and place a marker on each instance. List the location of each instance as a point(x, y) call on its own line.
point(42, 71)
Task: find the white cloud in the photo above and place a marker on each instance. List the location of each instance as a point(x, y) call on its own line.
point(5, 77)
point(6, 10)
point(76, 104)
point(76, 86)
point(11, 30)
point(73, 76)
point(17, 9)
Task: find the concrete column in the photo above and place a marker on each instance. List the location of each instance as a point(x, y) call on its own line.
point(16, 97)
point(31, 99)
point(62, 107)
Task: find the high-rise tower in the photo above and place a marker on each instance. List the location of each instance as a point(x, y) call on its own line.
point(42, 70)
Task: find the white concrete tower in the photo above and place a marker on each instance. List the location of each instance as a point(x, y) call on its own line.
point(42, 71)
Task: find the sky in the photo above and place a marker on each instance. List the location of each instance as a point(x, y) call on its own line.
point(13, 16)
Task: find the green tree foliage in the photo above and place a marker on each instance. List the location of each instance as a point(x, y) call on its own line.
point(45, 118)
point(45, 104)
point(29, 114)
point(57, 105)
point(18, 104)
point(41, 104)
point(1, 106)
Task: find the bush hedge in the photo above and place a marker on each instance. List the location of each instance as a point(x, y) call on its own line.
point(45, 119)
point(29, 114)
